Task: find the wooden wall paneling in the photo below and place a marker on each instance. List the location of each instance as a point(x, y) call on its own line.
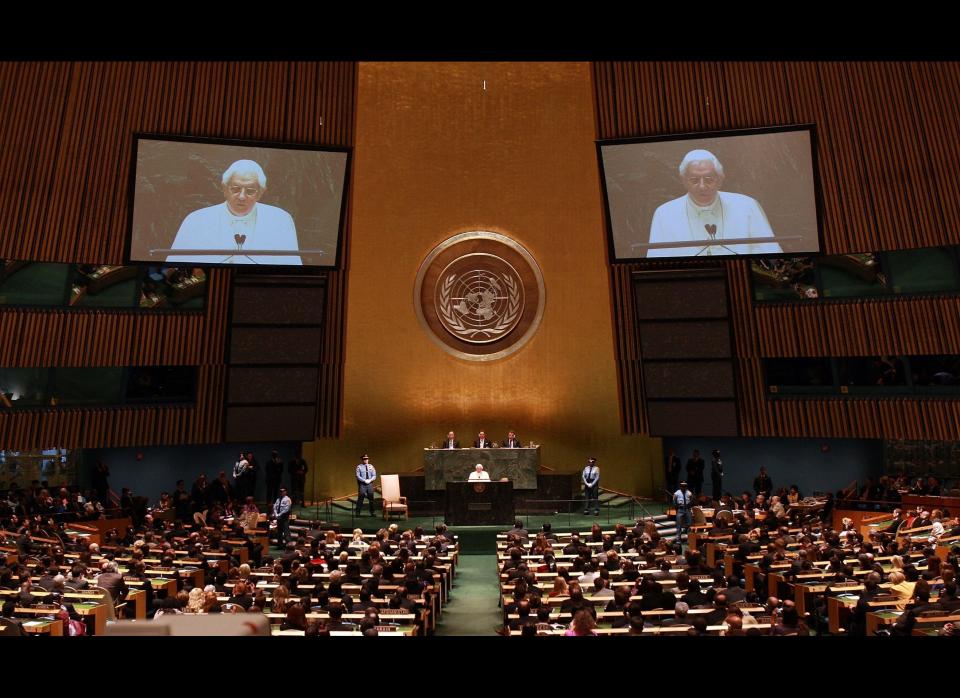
point(301, 96)
point(161, 97)
point(757, 94)
point(602, 113)
point(807, 100)
point(628, 104)
point(629, 373)
point(207, 101)
point(330, 389)
point(929, 325)
point(695, 97)
point(32, 134)
point(101, 221)
point(936, 89)
point(213, 340)
point(850, 202)
point(634, 418)
point(896, 171)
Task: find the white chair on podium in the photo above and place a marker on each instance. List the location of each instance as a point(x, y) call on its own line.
point(392, 501)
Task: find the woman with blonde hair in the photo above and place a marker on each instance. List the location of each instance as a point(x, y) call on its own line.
point(281, 595)
point(650, 532)
point(358, 543)
point(901, 587)
point(194, 601)
point(560, 587)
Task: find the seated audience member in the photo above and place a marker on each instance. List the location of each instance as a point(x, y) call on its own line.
point(582, 625)
point(788, 621)
point(296, 618)
point(734, 625)
point(680, 611)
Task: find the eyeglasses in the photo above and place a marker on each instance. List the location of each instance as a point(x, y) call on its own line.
point(708, 181)
point(249, 191)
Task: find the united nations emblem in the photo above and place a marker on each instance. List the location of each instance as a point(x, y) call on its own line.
point(479, 305)
point(479, 487)
point(480, 295)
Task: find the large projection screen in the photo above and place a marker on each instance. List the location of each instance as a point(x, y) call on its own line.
point(281, 206)
point(741, 193)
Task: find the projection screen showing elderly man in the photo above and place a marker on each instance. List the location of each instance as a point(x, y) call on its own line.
point(707, 195)
point(199, 202)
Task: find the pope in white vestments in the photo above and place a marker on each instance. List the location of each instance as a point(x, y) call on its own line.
point(239, 223)
point(708, 214)
point(479, 473)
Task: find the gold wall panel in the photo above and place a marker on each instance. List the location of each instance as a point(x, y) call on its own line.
point(443, 148)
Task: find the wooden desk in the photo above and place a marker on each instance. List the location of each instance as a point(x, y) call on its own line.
point(54, 628)
point(944, 545)
point(138, 599)
point(170, 585)
point(804, 593)
point(99, 613)
point(881, 618)
point(97, 610)
point(838, 610)
point(910, 501)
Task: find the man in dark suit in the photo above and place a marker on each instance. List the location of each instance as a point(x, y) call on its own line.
point(695, 468)
point(694, 597)
point(680, 610)
point(573, 547)
point(451, 441)
point(298, 479)
point(481, 441)
point(336, 619)
point(948, 597)
point(716, 475)
point(719, 612)
point(673, 471)
point(110, 580)
point(734, 592)
point(762, 483)
point(519, 530)
point(512, 441)
point(663, 572)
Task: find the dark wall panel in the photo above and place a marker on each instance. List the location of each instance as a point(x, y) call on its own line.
point(260, 385)
point(693, 418)
point(272, 423)
point(670, 300)
point(689, 379)
point(276, 345)
point(278, 305)
point(709, 339)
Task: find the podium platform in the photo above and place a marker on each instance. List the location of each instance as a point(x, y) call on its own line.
point(519, 465)
point(479, 503)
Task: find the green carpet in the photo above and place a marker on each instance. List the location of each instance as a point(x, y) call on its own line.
point(609, 515)
point(473, 603)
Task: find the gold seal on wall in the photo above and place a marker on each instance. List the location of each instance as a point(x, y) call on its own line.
point(479, 295)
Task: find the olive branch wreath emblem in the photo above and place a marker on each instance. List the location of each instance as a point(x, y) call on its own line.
point(455, 325)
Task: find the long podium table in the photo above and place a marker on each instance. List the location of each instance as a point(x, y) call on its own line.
point(519, 465)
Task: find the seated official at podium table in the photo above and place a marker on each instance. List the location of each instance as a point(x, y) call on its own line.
point(482, 441)
point(451, 441)
point(512, 441)
point(479, 473)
